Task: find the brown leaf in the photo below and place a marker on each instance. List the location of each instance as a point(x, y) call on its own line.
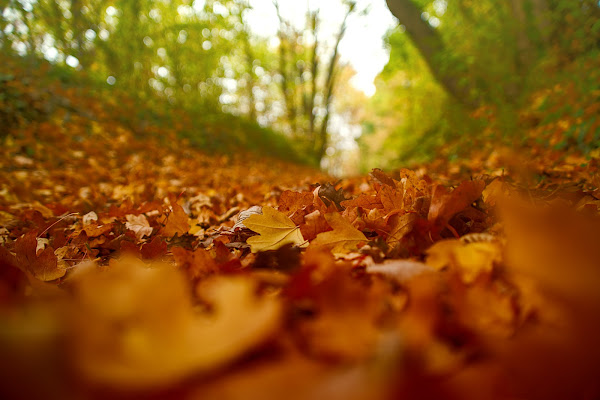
point(382, 177)
point(344, 238)
point(94, 230)
point(329, 195)
point(197, 264)
point(43, 266)
point(139, 225)
point(444, 205)
point(391, 198)
point(365, 201)
point(402, 227)
point(290, 202)
point(156, 248)
point(314, 224)
point(176, 222)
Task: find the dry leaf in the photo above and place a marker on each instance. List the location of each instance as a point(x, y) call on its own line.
point(244, 215)
point(343, 239)
point(139, 225)
point(43, 266)
point(399, 270)
point(444, 205)
point(136, 327)
point(470, 259)
point(176, 222)
point(274, 231)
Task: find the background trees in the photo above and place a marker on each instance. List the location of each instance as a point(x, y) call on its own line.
point(466, 75)
point(463, 75)
point(200, 55)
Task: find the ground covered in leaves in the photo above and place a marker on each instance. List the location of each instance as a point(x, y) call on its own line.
point(144, 269)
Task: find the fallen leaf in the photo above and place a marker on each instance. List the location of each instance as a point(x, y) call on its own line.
point(314, 223)
point(89, 217)
point(290, 202)
point(274, 231)
point(329, 195)
point(196, 264)
point(444, 205)
point(344, 238)
point(402, 227)
point(470, 259)
point(176, 223)
point(136, 327)
point(391, 198)
point(400, 270)
point(43, 266)
point(365, 201)
point(244, 215)
point(139, 225)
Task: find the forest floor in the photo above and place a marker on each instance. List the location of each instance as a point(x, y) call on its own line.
point(146, 269)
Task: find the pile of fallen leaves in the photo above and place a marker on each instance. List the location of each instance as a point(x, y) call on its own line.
point(146, 269)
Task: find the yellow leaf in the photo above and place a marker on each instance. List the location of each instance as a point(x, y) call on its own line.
point(135, 327)
point(274, 230)
point(470, 259)
point(344, 238)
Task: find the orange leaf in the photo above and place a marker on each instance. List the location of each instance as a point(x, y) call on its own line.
point(343, 239)
point(176, 222)
point(445, 205)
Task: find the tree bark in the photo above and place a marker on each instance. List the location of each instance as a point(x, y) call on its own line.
point(330, 81)
point(431, 46)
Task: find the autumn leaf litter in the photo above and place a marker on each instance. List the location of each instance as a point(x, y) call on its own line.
point(180, 272)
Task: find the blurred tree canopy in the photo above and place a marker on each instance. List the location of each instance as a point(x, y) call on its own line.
point(197, 55)
point(467, 75)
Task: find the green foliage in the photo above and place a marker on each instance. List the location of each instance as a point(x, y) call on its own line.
point(528, 68)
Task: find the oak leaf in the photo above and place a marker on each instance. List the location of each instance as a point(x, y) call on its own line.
point(402, 227)
point(274, 231)
point(342, 239)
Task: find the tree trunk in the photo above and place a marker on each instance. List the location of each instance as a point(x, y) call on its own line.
point(431, 46)
point(330, 81)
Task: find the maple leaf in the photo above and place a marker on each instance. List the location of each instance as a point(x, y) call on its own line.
point(43, 266)
point(177, 222)
point(274, 231)
point(343, 238)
